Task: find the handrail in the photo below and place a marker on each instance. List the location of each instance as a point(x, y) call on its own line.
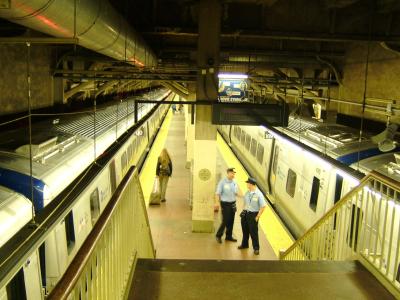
point(386, 180)
point(324, 218)
point(364, 224)
point(74, 273)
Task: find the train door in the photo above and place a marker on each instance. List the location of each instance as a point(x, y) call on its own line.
point(274, 163)
point(268, 163)
point(26, 284)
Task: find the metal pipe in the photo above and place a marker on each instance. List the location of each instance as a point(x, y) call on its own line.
point(98, 26)
point(376, 108)
point(37, 40)
point(308, 36)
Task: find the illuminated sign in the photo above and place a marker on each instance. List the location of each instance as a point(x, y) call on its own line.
point(232, 89)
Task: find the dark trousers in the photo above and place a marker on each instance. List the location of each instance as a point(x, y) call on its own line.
point(250, 227)
point(228, 210)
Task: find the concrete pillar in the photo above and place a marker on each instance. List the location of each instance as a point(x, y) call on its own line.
point(205, 151)
point(190, 126)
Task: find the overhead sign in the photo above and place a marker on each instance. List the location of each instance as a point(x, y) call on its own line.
point(250, 114)
point(232, 89)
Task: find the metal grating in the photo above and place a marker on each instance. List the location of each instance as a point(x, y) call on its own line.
point(299, 125)
point(105, 119)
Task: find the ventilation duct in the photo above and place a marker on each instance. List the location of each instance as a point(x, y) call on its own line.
point(98, 26)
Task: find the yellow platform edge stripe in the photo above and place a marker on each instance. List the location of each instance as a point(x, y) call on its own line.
point(148, 172)
point(273, 228)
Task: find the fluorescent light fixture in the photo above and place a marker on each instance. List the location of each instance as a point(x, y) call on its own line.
point(232, 76)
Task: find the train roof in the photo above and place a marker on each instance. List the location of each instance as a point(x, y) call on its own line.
point(15, 212)
point(53, 144)
point(387, 164)
point(333, 139)
point(49, 149)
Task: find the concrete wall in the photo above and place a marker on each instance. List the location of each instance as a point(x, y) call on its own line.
point(13, 78)
point(383, 78)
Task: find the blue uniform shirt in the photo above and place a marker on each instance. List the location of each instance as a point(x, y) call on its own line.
point(227, 189)
point(254, 201)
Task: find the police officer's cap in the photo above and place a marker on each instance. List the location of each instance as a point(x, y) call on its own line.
point(251, 180)
point(230, 170)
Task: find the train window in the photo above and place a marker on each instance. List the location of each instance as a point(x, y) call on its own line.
point(239, 132)
point(16, 287)
point(398, 273)
point(276, 157)
point(69, 231)
point(314, 193)
point(123, 161)
point(248, 139)
point(253, 147)
point(242, 137)
point(94, 205)
point(260, 153)
point(291, 182)
point(130, 152)
point(338, 188)
point(113, 177)
point(134, 142)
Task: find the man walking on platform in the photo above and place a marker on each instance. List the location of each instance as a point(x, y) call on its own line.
point(225, 196)
point(254, 205)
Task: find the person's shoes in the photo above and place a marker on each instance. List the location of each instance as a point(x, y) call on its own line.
point(218, 239)
point(231, 239)
point(242, 247)
point(163, 200)
point(257, 252)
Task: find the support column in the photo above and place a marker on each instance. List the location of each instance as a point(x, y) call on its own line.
point(205, 150)
point(190, 126)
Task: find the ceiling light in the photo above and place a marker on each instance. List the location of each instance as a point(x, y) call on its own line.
point(232, 76)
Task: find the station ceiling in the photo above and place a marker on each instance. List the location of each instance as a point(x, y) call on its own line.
point(271, 34)
point(274, 41)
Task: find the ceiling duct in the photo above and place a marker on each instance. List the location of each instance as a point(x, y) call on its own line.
point(98, 26)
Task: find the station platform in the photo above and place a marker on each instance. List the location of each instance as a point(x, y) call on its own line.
point(171, 222)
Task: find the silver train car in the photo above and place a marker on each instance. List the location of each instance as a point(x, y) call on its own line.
point(57, 162)
point(302, 185)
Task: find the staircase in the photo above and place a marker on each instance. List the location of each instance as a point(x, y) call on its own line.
point(211, 279)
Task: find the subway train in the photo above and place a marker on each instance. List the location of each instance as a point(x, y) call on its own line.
point(304, 182)
point(302, 185)
point(61, 152)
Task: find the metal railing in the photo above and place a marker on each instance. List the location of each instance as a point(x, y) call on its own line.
point(364, 225)
point(103, 267)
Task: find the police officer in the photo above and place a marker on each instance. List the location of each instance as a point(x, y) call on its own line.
point(254, 205)
point(225, 196)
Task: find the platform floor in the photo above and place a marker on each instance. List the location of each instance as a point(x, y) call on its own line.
point(171, 221)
